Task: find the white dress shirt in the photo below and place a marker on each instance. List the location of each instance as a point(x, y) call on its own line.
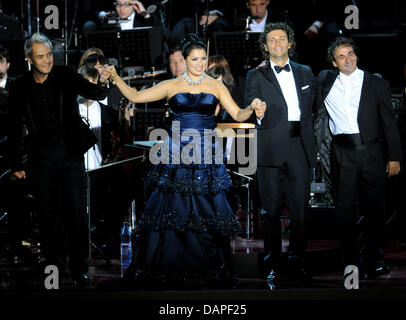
point(129, 24)
point(288, 86)
point(342, 103)
point(3, 83)
point(92, 113)
point(258, 27)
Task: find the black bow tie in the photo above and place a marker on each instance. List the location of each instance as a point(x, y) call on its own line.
point(286, 67)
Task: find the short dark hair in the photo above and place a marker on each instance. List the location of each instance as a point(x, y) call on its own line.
point(277, 26)
point(345, 41)
point(4, 52)
point(190, 42)
point(174, 49)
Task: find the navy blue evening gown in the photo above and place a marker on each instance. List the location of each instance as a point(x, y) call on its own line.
point(187, 223)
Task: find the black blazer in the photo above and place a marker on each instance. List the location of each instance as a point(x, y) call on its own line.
point(273, 133)
point(376, 118)
point(69, 85)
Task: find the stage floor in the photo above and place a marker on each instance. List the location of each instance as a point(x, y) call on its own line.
point(323, 261)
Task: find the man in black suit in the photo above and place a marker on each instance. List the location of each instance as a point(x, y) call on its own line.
point(261, 14)
point(203, 17)
point(4, 80)
point(354, 111)
point(136, 14)
point(44, 99)
point(131, 14)
point(286, 149)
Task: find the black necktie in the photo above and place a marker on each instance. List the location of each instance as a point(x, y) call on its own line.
point(286, 67)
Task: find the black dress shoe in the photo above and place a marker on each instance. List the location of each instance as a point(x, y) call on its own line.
point(377, 272)
point(81, 280)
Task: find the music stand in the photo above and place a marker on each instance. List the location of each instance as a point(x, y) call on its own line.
point(136, 47)
point(240, 48)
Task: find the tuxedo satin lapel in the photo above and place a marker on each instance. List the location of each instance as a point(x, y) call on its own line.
point(298, 81)
point(328, 83)
point(363, 101)
point(270, 75)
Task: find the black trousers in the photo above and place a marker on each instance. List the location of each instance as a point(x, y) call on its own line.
point(289, 185)
point(359, 177)
point(60, 187)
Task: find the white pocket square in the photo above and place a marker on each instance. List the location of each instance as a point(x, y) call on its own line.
point(305, 87)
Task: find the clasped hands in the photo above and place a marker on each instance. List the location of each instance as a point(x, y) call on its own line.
point(259, 107)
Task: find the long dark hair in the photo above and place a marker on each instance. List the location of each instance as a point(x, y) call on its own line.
point(226, 76)
point(190, 42)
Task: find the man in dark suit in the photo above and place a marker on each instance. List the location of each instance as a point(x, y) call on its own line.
point(286, 150)
point(354, 111)
point(136, 14)
point(261, 14)
point(44, 99)
point(131, 14)
point(202, 17)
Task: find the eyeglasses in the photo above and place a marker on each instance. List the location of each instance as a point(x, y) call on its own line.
point(122, 5)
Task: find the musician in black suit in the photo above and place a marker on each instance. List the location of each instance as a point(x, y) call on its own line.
point(354, 111)
point(4, 82)
point(261, 14)
point(44, 99)
point(203, 17)
point(132, 14)
point(286, 150)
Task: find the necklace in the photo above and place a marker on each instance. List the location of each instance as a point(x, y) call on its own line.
point(191, 82)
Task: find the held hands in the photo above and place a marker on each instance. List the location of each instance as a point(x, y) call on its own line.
point(104, 74)
point(259, 107)
point(20, 174)
point(393, 168)
point(111, 70)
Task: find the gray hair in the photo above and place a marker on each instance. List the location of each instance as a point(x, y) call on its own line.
point(35, 38)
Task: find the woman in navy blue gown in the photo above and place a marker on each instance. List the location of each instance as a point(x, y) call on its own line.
point(187, 223)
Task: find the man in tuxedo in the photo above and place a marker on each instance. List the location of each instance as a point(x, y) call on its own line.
point(286, 149)
point(4, 79)
point(354, 113)
point(49, 110)
point(261, 15)
point(132, 14)
point(204, 17)
point(135, 13)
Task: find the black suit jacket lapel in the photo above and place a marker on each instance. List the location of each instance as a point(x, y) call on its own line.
point(270, 75)
point(363, 101)
point(297, 76)
point(328, 83)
